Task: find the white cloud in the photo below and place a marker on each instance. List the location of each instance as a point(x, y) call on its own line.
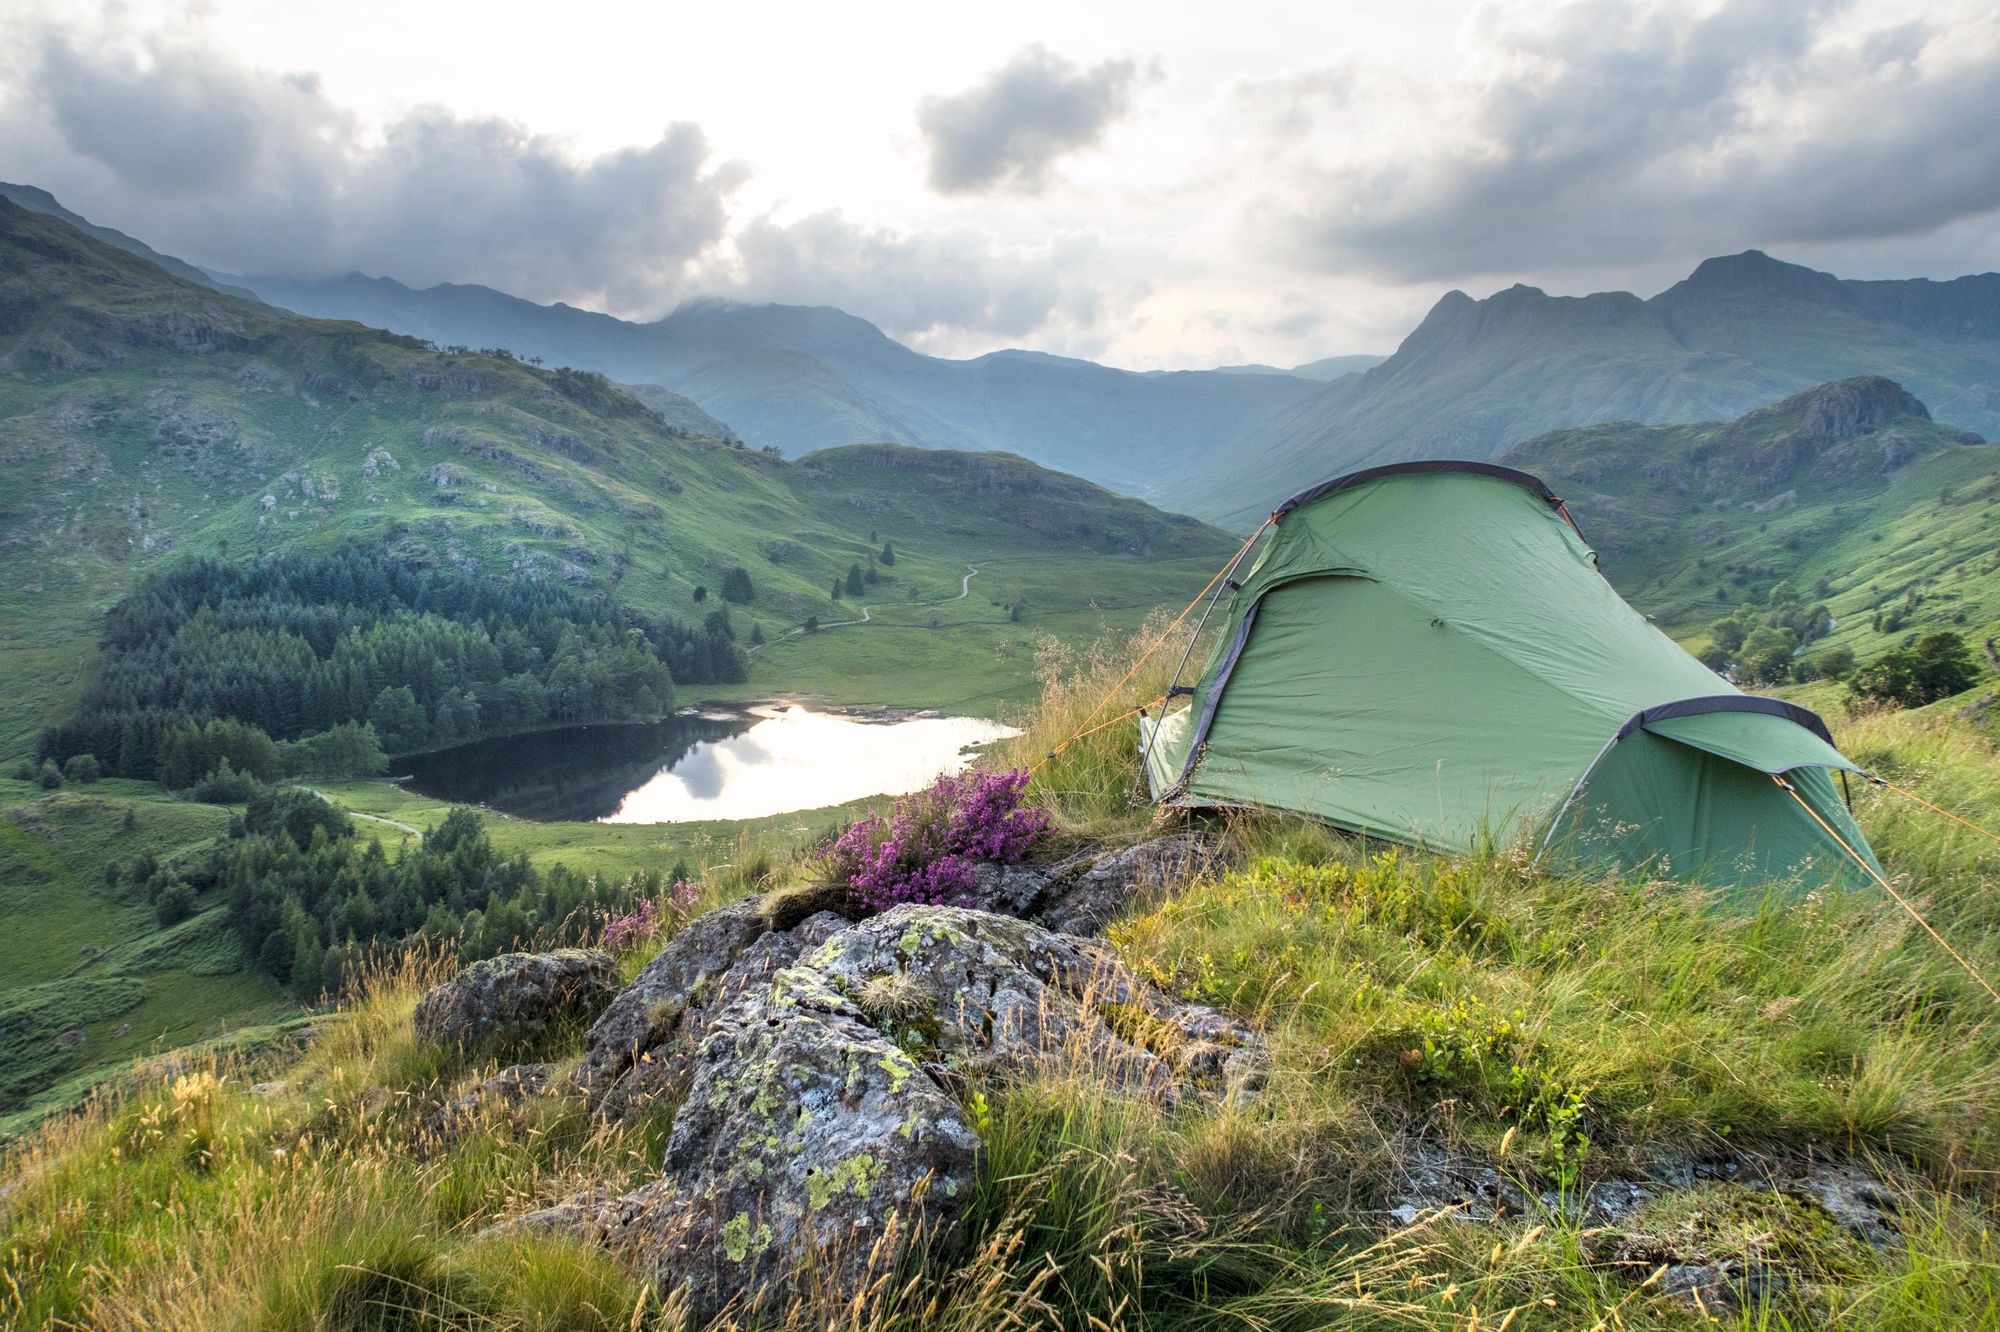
point(1007, 132)
point(1604, 133)
point(259, 171)
point(933, 285)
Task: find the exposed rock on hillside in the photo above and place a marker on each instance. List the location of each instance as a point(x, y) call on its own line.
point(509, 1002)
point(638, 1050)
point(816, 1060)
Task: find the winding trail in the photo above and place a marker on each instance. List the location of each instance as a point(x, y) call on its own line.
point(417, 833)
point(868, 612)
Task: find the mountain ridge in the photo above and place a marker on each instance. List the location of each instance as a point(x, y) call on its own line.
point(800, 378)
point(1476, 377)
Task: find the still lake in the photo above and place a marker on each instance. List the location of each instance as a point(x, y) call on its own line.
point(704, 765)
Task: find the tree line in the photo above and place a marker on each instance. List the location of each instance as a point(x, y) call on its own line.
point(311, 902)
point(301, 644)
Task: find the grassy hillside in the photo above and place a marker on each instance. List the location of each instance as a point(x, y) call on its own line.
point(1497, 1098)
point(146, 418)
point(90, 980)
point(1848, 495)
point(1479, 377)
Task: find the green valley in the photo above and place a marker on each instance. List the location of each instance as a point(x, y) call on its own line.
point(149, 422)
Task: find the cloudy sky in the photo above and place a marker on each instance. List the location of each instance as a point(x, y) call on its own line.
point(1158, 185)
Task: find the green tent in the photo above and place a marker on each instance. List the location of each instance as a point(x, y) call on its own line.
point(1427, 653)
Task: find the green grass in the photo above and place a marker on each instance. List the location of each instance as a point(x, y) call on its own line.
point(77, 955)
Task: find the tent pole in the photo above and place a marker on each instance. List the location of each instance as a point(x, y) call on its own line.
point(1228, 572)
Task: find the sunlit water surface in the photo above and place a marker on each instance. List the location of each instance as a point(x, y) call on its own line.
point(702, 766)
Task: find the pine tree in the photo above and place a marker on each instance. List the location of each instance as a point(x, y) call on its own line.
point(854, 587)
point(888, 553)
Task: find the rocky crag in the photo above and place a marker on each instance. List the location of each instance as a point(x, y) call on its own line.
point(815, 1064)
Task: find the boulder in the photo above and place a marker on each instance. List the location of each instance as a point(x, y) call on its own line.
point(970, 993)
point(508, 1003)
point(661, 1014)
point(820, 1139)
point(660, 1071)
point(1086, 893)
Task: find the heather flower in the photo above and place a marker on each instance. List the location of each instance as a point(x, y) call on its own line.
point(924, 850)
point(651, 916)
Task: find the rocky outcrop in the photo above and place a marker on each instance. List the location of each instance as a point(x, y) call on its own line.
point(509, 1003)
point(1085, 894)
point(638, 1052)
point(817, 1069)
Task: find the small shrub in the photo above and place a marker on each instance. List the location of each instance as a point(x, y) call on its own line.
point(175, 904)
point(225, 786)
point(924, 850)
point(50, 776)
point(1936, 666)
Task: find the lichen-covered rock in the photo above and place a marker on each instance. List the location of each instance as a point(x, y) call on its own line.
point(508, 1003)
point(971, 993)
point(657, 1019)
point(810, 1151)
point(820, 1138)
point(647, 1012)
point(1085, 893)
point(661, 1071)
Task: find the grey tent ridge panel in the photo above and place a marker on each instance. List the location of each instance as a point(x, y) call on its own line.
point(1427, 652)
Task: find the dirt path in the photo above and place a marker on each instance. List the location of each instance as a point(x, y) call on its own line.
point(868, 612)
point(417, 833)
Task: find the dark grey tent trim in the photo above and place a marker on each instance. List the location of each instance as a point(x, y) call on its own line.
point(1693, 707)
point(1214, 699)
point(1325, 488)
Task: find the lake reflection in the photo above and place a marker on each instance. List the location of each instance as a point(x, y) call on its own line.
point(707, 766)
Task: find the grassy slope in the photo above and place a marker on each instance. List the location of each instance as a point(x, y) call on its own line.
point(77, 954)
point(146, 418)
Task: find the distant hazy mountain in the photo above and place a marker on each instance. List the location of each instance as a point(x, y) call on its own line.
point(680, 412)
point(1325, 370)
point(1478, 376)
point(803, 378)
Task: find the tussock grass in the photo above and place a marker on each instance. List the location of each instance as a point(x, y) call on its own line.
point(1558, 1030)
point(1091, 781)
